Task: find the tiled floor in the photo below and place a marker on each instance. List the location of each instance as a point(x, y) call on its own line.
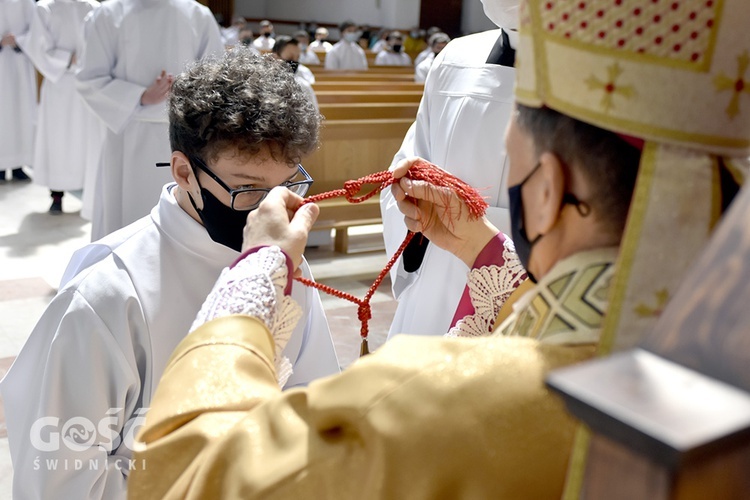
point(35, 247)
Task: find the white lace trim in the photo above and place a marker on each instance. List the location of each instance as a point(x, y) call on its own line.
point(253, 288)
point(489, 288)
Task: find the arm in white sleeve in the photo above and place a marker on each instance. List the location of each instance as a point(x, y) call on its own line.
point(113, 100)
point(51, 61)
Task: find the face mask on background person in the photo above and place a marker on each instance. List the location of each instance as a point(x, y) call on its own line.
point(294, 65)
point(397, 48)
point(351, 36)
point(504, 13)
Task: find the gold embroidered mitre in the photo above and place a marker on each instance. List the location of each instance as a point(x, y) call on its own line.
point(675, 73)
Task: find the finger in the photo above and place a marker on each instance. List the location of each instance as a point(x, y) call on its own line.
point(403, 166)
point(305, 217)
point(408, 207)
point(439, 195)
point(413, 225)
point(397, 191)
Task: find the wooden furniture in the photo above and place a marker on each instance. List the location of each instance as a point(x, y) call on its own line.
point(671, 419)
point(342, 96)
point(368, 86)
point(351, 149)
point(369, 110)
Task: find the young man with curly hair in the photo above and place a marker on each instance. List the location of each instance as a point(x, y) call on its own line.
point(239, 126)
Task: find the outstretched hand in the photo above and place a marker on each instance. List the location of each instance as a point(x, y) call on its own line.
point(157, 91)
point(438, 213)
point(281, 220)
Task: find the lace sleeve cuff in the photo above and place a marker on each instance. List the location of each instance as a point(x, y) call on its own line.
point(255, 285)
point(495, 274)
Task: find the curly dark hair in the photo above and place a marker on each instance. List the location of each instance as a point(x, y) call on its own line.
point(241, 101)
point(608, 162)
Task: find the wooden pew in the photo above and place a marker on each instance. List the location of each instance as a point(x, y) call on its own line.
point(368, 86)
point(354, 148)
point(351, 149)
point(344, 96)
point(369, 110)
point(363, 76)
point(397, 70)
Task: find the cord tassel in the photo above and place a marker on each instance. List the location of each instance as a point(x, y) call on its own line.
point(421, 170)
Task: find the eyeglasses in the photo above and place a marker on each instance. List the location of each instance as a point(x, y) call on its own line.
point(244, 199)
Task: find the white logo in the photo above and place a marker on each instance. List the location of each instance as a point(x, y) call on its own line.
point(80, 434)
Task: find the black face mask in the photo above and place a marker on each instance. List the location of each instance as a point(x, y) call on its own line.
point(517, 229)
point(293, 64)
point(223, 224)
point(266, 35)
point(397, 48)
point(246, 41)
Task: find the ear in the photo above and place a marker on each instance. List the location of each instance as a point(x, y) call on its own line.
point(184, 175)
point(550, 191)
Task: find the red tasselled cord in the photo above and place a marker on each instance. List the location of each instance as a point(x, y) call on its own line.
point(421, 170)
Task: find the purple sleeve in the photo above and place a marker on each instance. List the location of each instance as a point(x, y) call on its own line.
point(491, 255)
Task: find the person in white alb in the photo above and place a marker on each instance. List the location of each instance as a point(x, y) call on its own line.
point(306, 54)
point(468, 99)
point(320, 44)
point(346, 53)
point(265, 39)
point(393, 54)
point(287, 49)
point(65, 127)
point(17, 89)
point(126, 301)
point(230, 36)
point(427, 50)
point(132, 49)
point(438, 41)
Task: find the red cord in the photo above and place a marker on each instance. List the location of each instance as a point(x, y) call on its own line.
point(421, 170)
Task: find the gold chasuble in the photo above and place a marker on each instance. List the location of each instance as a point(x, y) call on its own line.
point(422, 418)
point(567, 306)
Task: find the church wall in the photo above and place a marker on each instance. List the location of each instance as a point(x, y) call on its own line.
point(393, 13)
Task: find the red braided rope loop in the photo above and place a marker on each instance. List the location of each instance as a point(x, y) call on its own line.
point(421, 170)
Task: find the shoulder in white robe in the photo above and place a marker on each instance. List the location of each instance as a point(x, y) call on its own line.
point(387, 58)
point(308, 56)
point(459, 126)
point(127, 45)
point(101, 346)
point(346, 55)
point(421, 69)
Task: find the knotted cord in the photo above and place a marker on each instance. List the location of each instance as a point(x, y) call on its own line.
point(421, 170)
